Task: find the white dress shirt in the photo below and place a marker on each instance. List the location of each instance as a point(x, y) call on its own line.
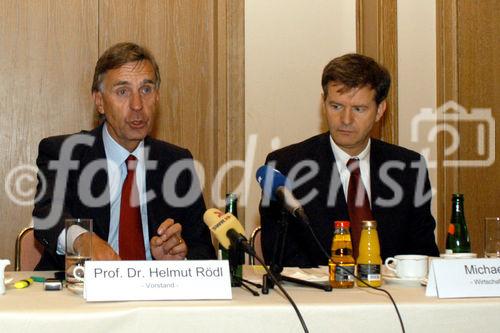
point(341, 159)
point(116, 156)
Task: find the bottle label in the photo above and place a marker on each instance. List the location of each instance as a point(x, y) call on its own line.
point(369, 272)
point(345, 274)
point(451, 229)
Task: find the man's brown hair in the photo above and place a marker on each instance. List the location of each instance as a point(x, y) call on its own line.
point(357, 71)
point(117, 56)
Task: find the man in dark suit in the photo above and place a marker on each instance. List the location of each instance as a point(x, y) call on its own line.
point(82, 176)
point(393, 186)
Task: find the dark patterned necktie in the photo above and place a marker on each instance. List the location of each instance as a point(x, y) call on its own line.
point(357, 203)
point(130, 238)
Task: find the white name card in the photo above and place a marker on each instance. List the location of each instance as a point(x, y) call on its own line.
point(157, 280)
point(454, 278)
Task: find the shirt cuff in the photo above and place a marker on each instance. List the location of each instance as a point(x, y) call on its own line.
point(73, 232)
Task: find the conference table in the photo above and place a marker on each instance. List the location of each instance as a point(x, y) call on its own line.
point(33, 309)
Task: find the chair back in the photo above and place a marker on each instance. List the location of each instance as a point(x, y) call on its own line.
point(28, 250)
point(255, 242)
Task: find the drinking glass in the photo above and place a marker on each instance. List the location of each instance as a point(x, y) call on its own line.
point(76, 258)
point(492, 237)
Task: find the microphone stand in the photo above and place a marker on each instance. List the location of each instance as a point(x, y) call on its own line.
point(236, 256)
point(276, 266)
point(234, 253)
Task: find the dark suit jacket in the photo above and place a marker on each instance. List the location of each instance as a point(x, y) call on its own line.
point(405, 227)
point(194, 231)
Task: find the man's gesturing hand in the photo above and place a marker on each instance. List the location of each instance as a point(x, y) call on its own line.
point(169, 245)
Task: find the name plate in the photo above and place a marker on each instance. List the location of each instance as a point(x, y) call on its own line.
point(454, 278)
point(157, 280)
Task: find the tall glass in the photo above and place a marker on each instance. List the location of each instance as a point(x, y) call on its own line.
point(492, 237)
point(76, 258)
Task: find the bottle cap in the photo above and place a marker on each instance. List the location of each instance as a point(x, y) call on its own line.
point(369, 224)
point(231, 197)
point(457, 196)
point(342, 224)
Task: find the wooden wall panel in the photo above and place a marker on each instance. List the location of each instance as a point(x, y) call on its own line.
point(468, 72)
point(446, 89)
point(47, 52)
point(233, 59)
point(479, 86)
point(182, 36)
point(376, 29)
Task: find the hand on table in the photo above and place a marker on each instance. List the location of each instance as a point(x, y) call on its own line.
point(101, 250)
point(168, 245)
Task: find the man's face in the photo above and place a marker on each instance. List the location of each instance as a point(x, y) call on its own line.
point(351, 116)
point(128, 98)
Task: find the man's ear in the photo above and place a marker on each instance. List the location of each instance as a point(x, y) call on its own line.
point(323, 103)
point(97, 95)
point(381, 110)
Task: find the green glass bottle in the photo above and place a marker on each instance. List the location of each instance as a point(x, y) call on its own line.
point(231, 207)
point(457, 239)
point(236, 257)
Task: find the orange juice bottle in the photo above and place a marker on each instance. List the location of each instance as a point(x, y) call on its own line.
point(369, 261)
point(341, 257)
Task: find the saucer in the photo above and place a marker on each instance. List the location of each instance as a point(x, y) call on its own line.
point(75, 288)
point(410, 282)
point(8, 279)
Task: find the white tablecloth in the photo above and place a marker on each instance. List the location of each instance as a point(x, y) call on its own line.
point(352, 310)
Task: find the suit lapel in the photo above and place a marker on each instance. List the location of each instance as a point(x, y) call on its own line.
point(332, 187)
point(99, 184)
point(376, 185)
point(153, 181)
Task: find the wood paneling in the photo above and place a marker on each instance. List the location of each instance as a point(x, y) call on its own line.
point(376, 25)
point(469, 72)
point(231, 89)
point(47, 51)
point(180, 34)
point(446, 90)
point(199, 54)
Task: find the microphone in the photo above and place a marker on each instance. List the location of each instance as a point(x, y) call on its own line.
point(229, 232)
point(274, 185)
point(227, 229)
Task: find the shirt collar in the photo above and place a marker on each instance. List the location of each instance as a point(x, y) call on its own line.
point(342, 157)
point(115, 152)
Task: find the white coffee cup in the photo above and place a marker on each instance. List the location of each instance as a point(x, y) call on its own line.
point(408, 266)
point(79, 273)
